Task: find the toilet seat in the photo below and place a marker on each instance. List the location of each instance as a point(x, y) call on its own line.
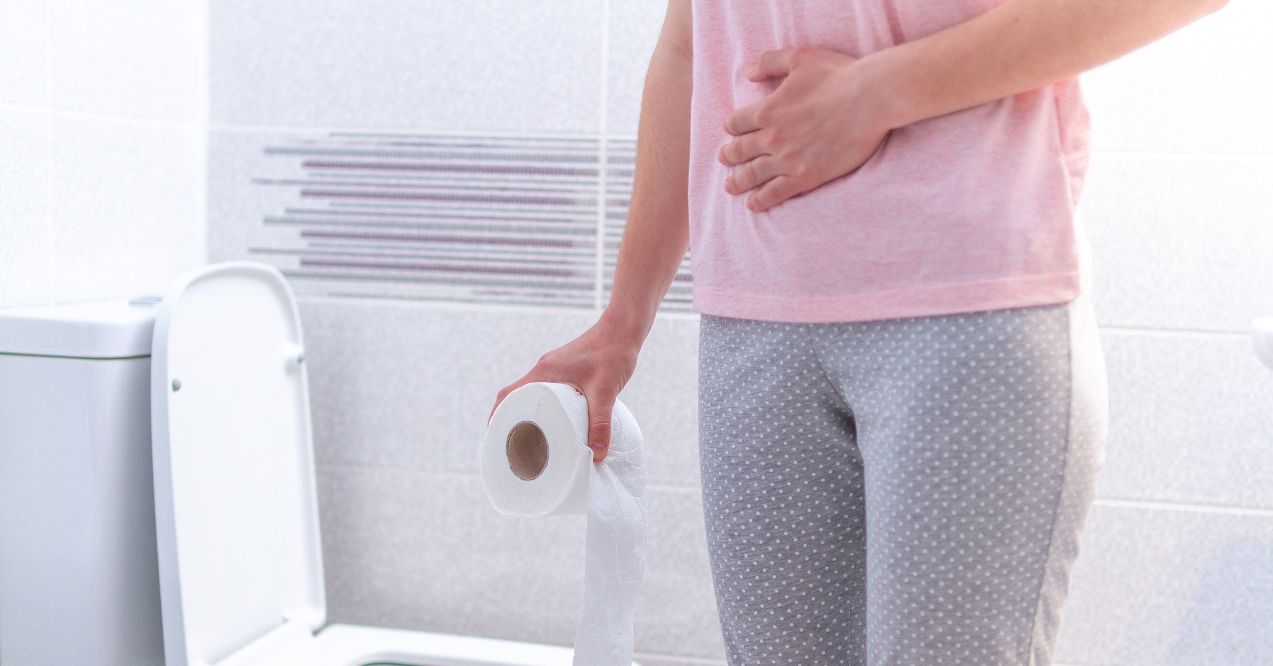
point(352, 645)
point(240, 559)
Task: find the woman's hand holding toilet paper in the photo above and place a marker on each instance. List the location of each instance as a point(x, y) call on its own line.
point(598, 364)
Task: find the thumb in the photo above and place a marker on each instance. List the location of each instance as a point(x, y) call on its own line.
point(772, 64)
point(600, 408)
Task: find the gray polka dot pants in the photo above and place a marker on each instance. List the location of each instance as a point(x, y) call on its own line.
point(901, 491)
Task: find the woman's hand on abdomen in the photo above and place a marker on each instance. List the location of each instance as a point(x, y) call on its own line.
point(821, 123)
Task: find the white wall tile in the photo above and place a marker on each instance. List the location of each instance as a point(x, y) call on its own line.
point(141, 58)
point(235, 205)
point(26, 239)
point(662, 660)
point(424, 551)
point(663, 393)
point(427, 551)
point(1170, 588)
point(634, 30)
point(676, 612)
point(1181, 243)
point(410, 386)
point(126, 210)
point(24, 56)
point(1191, 420)
point(494, 65)
point(1202, 89)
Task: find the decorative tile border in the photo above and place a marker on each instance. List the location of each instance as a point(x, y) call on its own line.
point(469, 218)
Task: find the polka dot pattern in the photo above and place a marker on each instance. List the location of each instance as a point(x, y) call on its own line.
point(901, 491)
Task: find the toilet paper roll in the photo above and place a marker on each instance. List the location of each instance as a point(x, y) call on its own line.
point(535, 461)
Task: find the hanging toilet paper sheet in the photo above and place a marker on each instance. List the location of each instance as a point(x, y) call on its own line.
point(535, 461)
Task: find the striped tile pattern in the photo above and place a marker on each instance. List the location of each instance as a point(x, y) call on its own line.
point(470, 218)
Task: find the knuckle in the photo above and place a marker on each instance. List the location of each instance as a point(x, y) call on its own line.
point(731, 152)
point(763, 114)
point(602, 392)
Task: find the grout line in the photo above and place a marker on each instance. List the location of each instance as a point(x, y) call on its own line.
point(400, 130)
point(576, 309)
point(603, 156)
point(464, 474)
point(1147, 330)
point(627, 136)
point(1158, 505)
point(1166, 505)
point(205, 134)
point(50, 173)
point(396, 469)
point(482, 307)
point(36, 109)
point(47, 43)
point(686, 659)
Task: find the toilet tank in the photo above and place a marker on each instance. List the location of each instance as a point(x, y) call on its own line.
point(79, 580)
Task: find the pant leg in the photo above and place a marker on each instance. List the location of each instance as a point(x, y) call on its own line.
point(782, 498)
point(982, 435)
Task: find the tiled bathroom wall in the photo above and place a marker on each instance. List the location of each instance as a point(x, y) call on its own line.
point(102, 128)
point(384, 153)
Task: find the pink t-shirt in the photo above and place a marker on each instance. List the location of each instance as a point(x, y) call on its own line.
point(972, 210)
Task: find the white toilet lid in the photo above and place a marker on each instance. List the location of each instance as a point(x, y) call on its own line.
point(236, 512)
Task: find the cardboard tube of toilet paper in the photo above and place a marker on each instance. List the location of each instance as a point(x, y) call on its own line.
point(535, 461)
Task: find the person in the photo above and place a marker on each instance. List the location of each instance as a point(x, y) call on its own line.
point(902, 393)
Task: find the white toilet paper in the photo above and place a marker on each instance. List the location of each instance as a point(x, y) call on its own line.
point(535, 461)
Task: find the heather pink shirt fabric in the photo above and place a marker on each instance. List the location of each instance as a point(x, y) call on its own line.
point(973, 210)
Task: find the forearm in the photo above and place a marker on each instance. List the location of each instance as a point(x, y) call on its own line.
point(1017, 46)
point(657, 232)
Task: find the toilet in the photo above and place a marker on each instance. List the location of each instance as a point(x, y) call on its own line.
point(228, 551)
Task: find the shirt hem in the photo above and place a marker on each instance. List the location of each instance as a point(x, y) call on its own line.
point(916, 301)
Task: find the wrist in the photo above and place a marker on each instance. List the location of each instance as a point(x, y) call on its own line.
point(887, 89)
point(624, 324)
